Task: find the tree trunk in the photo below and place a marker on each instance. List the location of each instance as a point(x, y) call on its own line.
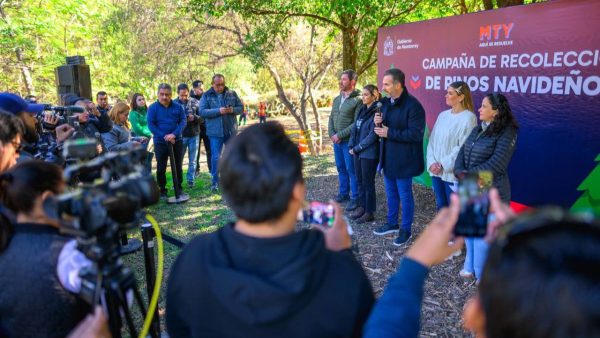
point(25, 71)
point(290, 107)
point(349, 52)
point(508, 3)
point(317, 116)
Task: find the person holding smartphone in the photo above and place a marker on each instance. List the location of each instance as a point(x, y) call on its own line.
point(489, 147)
point(191, 131)
point(219, 106)
point(447, 137)
point(258, 276)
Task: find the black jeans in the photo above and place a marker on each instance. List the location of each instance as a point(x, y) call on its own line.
point(203, 137)
point(161, 151)
point(365, 170)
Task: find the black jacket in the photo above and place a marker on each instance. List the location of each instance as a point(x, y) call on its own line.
point(363, 140)
point(33, 303)
point(485, 151)
point(100, 124)
point(192, 128)
point(402, 151)
point(226, 284)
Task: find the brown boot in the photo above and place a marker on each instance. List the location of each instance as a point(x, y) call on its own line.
point(357, 213)
point(366, 217)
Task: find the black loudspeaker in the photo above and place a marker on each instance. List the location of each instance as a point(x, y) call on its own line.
point(73, 79)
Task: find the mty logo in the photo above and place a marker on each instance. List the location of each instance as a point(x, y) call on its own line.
point(496, 34)
point(388, 46)
point(415, 82)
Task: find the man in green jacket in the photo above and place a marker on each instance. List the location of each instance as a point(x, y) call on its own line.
point(343, 112)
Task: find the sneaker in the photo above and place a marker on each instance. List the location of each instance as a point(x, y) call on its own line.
point(386, 229)
point(403, 237)
point(366, 217)
point(191, 184)
point(214, 187)
point(352, 205)
point(163, 196)
point(465, 274)
point(342, 198)
point(357, 213)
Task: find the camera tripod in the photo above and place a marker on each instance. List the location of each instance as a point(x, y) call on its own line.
point(109, 282)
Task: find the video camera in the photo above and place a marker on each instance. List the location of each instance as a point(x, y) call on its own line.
point(110, 190)
point(98, 209)
point(63, 113)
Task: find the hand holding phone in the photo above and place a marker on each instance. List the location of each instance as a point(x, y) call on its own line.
point(473, 191)
point(318, 213)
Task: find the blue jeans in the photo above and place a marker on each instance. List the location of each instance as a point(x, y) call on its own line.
point(399, 190)
point(344, 163)
point(216, 146)
point(191, 145)
point(475, 256)
point(442, 192)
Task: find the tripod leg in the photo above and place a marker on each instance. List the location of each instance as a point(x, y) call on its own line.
point(148, 237)
point(174, 170)
point(114, 316)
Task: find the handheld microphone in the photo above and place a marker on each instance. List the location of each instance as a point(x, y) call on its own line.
point(378, 125)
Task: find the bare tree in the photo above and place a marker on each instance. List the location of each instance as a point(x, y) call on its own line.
point(293, 60)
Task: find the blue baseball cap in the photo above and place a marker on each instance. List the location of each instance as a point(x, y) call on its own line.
point(14, 104)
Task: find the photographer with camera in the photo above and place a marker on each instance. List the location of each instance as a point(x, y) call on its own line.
point(191, 130)
point(36, 261)
point(258, 277)
point(91, 122)
point(41, 138)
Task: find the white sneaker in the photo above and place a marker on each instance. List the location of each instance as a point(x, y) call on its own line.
point(465, 274)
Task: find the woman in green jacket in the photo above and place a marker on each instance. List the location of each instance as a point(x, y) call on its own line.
point(139, 125)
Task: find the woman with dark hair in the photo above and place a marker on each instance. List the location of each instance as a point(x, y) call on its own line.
point(34, 296)
point(489, 147)
point(447, 137)
point(364, 146)
point(139, 125)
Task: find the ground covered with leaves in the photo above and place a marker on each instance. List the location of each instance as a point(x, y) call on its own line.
point(445, 291)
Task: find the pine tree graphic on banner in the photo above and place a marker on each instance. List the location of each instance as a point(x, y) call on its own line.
point(590, 187)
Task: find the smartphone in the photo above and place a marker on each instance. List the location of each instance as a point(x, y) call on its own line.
point(473, 192)
point(318, 213)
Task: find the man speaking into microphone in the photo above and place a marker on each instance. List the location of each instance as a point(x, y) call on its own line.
point(401, 159)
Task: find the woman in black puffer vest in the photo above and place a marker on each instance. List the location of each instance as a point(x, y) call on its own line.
point(490, 147)
point(364, 146)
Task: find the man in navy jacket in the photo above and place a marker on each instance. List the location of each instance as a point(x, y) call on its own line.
point(166, 120)
point(402, 125)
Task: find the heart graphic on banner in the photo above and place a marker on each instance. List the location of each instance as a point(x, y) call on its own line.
point(415, 82)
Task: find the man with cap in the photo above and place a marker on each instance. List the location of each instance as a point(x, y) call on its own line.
point(26, 112)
